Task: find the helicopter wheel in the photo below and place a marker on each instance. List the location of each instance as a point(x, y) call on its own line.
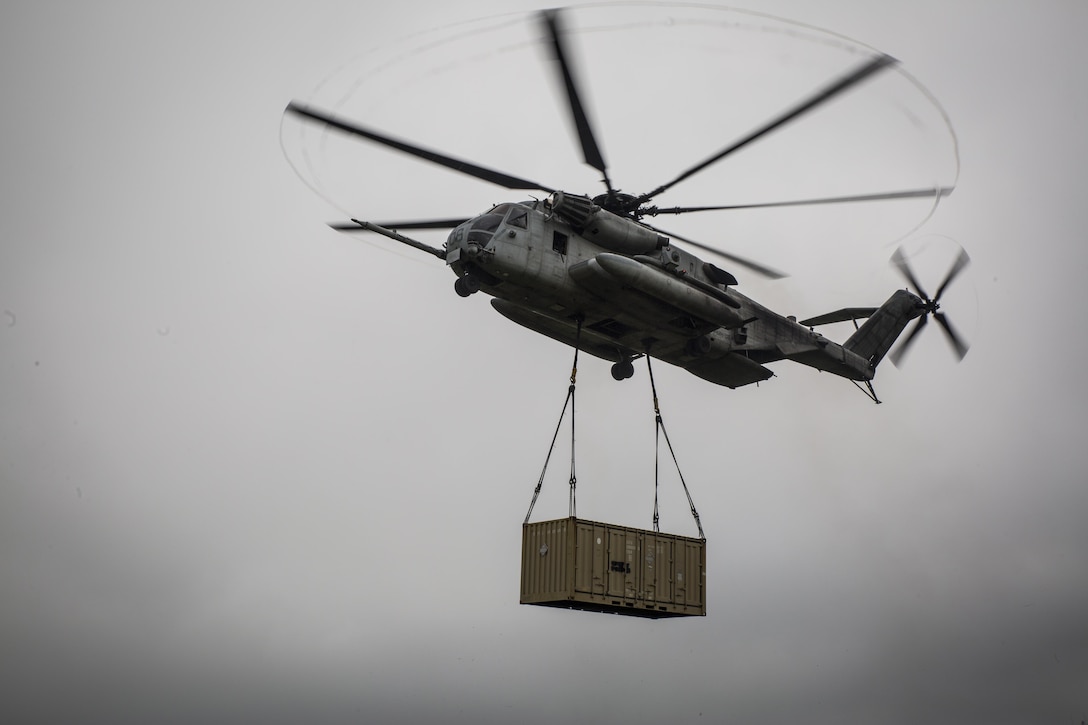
point(466, 286)
point(623, 370)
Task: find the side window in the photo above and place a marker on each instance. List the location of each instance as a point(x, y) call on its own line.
point(559, 242)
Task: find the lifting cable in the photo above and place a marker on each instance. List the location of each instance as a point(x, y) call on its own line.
point(568, 402)
point(660, 430)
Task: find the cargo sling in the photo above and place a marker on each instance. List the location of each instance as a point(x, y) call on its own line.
point(659, 431)
point(568, 402)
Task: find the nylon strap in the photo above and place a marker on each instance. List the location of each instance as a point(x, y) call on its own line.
point(569, 402)
point(660, 431)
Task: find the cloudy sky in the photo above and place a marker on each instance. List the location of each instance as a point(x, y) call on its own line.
point(252, 469)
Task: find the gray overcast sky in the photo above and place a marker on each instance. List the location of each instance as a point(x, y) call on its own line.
point(254, 470)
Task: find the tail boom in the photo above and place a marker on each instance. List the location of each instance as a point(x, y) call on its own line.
point(877, 335)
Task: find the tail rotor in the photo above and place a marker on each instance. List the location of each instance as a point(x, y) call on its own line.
point(930, 306)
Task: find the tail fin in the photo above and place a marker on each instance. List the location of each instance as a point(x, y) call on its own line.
point(874, 338)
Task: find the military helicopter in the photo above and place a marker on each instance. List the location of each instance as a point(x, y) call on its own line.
point(590, 273)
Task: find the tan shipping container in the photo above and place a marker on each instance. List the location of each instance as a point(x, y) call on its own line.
point(598, 567)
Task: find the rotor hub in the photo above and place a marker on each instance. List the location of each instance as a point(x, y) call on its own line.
point(617, 202)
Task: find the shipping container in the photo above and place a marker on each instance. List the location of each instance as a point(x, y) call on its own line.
point(597, 567)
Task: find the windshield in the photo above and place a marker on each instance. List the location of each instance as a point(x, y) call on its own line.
point(484, 227)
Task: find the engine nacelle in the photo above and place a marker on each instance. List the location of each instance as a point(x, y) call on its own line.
point(604, 228)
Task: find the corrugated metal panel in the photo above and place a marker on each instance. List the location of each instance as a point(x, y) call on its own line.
point(591, 559)
point(607, 568)
point(657, 556)
point(544, 566)
point(689, 566)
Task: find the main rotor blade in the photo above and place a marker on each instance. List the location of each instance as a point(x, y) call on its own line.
point(912, 194)
point(480, 172)
point(904, 267)
point(591, 152)
point(419, 224)
point(822, 96)
point(954, 339)
point(900, 351)
point(961, 261)
point(760, 269)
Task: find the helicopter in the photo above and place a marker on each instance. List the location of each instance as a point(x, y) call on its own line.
point(589, 272)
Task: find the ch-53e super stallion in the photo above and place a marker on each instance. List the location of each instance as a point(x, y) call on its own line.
point(589, 272)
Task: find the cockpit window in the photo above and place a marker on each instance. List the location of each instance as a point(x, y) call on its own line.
point(488, 222)
point(518, 217)
point(484, 227)
point(517, 214)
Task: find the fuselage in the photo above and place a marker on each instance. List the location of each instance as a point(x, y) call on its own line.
point(630, 292)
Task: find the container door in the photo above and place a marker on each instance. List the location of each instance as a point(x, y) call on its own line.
point(689, 573)
point(544, 570)
point(591, 566)
point(657, 568)
point(622, 563)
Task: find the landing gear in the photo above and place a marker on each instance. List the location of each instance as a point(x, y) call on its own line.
point(623, 370)
point(466, 286)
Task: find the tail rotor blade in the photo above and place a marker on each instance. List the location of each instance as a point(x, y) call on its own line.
point(897, 354)
point(901, 263)
point(957, 343)
point(961, 261)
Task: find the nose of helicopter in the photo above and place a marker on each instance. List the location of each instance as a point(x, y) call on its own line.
point(467, 241)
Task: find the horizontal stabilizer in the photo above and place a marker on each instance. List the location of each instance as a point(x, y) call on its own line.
point(844, 315)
